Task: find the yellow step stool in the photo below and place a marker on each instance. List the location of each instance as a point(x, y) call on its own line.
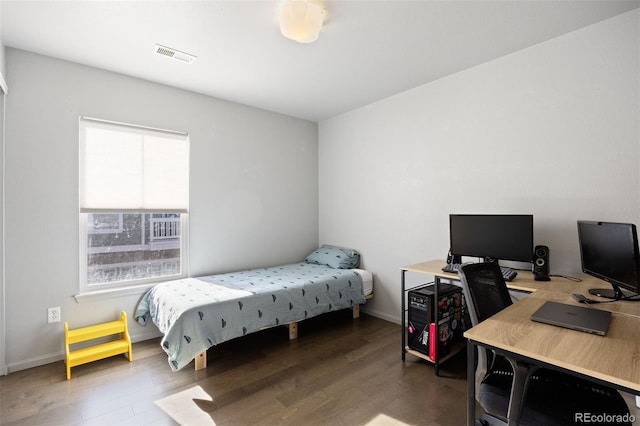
point(100, 351)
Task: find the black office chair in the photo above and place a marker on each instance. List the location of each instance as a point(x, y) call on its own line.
point(551, 397)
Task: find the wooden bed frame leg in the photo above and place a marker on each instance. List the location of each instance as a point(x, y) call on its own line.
point(201, 361)
point(356, 311)
point(293, 330)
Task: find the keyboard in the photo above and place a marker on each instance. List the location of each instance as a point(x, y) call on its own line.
point(452, 267)
point(507, 273)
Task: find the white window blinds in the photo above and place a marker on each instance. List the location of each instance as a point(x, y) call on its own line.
point(129, 168)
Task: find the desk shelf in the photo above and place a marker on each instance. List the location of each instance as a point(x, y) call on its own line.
point(455, 349)
point(525, 282)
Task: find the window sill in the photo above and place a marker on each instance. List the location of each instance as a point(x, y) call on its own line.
point(93, 296)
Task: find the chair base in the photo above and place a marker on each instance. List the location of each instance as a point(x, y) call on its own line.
point(489, 420)
point(552, 398)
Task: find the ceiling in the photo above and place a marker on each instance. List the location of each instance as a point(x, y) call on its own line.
point(367, 50)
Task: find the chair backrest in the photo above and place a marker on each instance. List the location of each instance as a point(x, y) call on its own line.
point(486, 294)
point(485, 290)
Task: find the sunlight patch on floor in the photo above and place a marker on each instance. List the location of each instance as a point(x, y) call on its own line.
point(188, 407)
point(384, 420)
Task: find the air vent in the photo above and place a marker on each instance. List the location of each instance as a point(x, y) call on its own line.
point(174, 54)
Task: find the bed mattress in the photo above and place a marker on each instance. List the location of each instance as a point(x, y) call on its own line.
point(197, 313)
point(367, 281)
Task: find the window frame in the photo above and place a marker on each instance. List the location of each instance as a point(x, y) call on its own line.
point(88, 291)
point(85, 287)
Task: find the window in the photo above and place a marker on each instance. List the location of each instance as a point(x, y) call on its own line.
point(134, 187)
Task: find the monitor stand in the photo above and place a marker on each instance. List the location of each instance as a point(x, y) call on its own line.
point(615, 293)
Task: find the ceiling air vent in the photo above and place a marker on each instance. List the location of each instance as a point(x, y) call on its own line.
point(174, 54)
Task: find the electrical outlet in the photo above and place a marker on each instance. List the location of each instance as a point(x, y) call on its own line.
point(53, 314)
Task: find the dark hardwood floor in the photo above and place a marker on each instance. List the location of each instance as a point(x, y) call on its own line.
point(339, 371)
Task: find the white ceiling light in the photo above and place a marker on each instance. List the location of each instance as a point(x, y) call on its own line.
point(301, 20)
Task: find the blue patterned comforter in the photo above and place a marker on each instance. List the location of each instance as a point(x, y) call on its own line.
point(197, 313)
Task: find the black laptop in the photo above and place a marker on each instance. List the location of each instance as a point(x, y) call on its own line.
point(579, 318)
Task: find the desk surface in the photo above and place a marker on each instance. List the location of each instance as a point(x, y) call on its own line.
point(614, 358)
point(523, 282)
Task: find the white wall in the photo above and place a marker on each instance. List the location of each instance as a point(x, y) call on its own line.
point(551, 130)
point(254, 189)
point(3, 367)
point(3, 67)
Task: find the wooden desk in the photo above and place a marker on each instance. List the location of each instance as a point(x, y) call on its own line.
point(523, 282)
point(613, 359)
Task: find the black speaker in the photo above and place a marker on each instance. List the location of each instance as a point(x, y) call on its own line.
point(541, 263)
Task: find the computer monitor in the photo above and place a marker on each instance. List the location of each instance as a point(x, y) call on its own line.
point(609, 251)
point(492, 237)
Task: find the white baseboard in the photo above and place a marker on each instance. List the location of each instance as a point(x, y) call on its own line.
point(56, 357)
point(146, 336)
point(37, 361)
point(381, 315)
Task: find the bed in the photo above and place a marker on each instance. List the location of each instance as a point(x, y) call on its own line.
point(195, 314)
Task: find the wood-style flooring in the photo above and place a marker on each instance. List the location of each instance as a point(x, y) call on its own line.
point(339, 371)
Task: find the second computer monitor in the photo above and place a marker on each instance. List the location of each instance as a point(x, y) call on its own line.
point(492, 236)
point(609, 251)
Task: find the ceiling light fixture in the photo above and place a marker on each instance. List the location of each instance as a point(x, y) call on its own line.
point(301, 20)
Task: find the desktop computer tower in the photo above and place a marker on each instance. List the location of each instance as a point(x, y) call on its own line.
point(425, 328)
